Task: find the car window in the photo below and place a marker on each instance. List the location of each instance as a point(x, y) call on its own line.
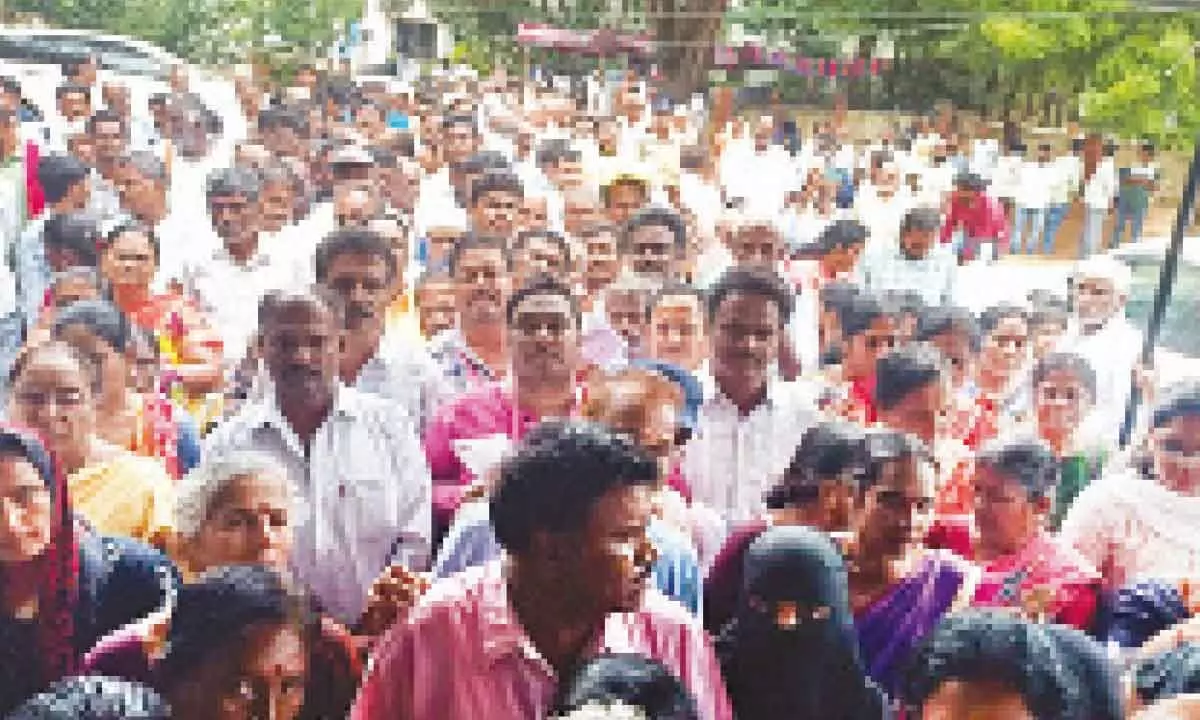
point(1178, 329)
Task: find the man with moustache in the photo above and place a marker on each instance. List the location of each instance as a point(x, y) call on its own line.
point(354, 460)
point(359, 267)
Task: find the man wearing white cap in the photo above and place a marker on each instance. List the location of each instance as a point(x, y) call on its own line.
point(1101, 334)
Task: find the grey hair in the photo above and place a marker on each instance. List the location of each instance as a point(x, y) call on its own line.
point(147, 165)
point(199, 489)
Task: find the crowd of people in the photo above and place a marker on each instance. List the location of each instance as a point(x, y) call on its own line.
point(466, 399)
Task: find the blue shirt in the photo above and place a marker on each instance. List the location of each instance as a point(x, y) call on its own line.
point(471, 542)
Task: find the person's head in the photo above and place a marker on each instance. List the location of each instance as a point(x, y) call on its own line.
point(868, 333)
point(581, 210)
point(543, 325)
point(820, 485)
point(74, 101)
point(1004, 346)
point(534, 215)
point(276, 201)
point(1014, 486)
point(238, 647)
point(614, 682)
point(359, 267)
point(654, 242)
point(896, 494)
point(235, 509)
point(840, 245)
point(1064, 392)
point(82, 70)
point(969, 188)
point(233, 202)
point(1099, 677)
point(640, 403)
point(130, 257)
point(52, 393)
point(482, 270)
point(27, 498)
point(756, 242)
point(437, 306)
point(459, 138)
point(991, 666)
point(65, 181)
point(107, 130)
point(94, 698)
point(833, 297)
point(495, 201)
point(675, 316)
point(101, 334)
point(1175, 437)
point(601, 260)
point(746, 313)
point(954, 331)
point(572, 508)
point(625, 310)
point(918, 232)
point(1146, 152)
point(142, 183)
point(1048, 322)
point(542, 251)
point(623, 197)
point(71, 240)
point(1100, 286)
point(300, 334)
point(1166, 675)
point(910, 390)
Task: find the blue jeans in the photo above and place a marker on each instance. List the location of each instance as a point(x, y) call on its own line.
point(1035, 218)
point(1135, 217)
point(1093, 224)
point(1055, 214)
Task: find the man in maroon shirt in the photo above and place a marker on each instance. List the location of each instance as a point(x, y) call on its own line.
point(978, 215)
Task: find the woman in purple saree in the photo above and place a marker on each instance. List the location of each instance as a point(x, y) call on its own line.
point(899, 594)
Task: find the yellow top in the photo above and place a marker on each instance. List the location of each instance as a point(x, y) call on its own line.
point(127, 495)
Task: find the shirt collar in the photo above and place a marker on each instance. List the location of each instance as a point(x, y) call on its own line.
point(260, 260)
point(774, 388)
point(266, 412)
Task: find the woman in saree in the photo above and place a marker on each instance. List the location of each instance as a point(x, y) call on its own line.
point(235, 510)
point(190, 351)
point(116, 491)
point(790, 651)
point(145, 423)
point(62, 585)
point(1140, 523)
point(1024, 567)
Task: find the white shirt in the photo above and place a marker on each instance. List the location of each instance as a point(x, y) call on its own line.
point(1007, 177)
point(1033, 190)
point(365, 488)
point(1101, 187)
point(936, 182)
point(731, 461)
point(1112, 352)
point(882, 216)
point(404, 374)
point(1068, 170)
point(985, 154)
point(932, 277)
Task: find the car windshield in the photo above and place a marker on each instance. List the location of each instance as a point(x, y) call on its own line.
point(1178, 333)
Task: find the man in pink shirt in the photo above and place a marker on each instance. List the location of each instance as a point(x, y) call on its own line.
point(495, 642)
point(980, 217)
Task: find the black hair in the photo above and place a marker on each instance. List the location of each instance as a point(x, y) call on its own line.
point(674, 290)
point(317, 297)
point(559, 473)
point(995, 647)
point(905, 370)
point(937, 320)
point(94, 698)
point(100, 317)
point(554, 151)
point(542, 284)
point(1100, 682)
point(233, 181)
point(827, 450)
point(353, 242)
point(750, 281)
point(459, 119)
point(838, 293)
point(920, 218)
point(491, 181)
point(103, 115)
point(885, 447)
point(841, 234)
point(220, 608)
point(10, 85)
point(902, 302)
point(75, 233)
point(1071, 363)
point(58, 174)
point(632, 680)
point(1180, 400)
point(487, 160)
point(557, 239)
point(991, 318)
point(1168, 674)
point(1027, 462)
point(858, 314)
point(1049, 311)
point(71, 89)
point(471, 241)
point(656, 217)
point(281, 118)
point(72, 67)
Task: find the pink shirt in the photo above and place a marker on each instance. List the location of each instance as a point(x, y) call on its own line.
point(983, 219)
point(488, 410)
point(463, 654)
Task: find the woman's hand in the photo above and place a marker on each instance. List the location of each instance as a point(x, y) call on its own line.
point(392, 595)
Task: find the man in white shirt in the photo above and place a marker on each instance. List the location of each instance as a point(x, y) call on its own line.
point(1064, 186)
point(919, 263)
point(354, 461)
point(1099, 190)
point(749, 427)
point(1031, 197)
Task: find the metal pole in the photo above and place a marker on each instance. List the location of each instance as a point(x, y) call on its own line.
point(1166, 284)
